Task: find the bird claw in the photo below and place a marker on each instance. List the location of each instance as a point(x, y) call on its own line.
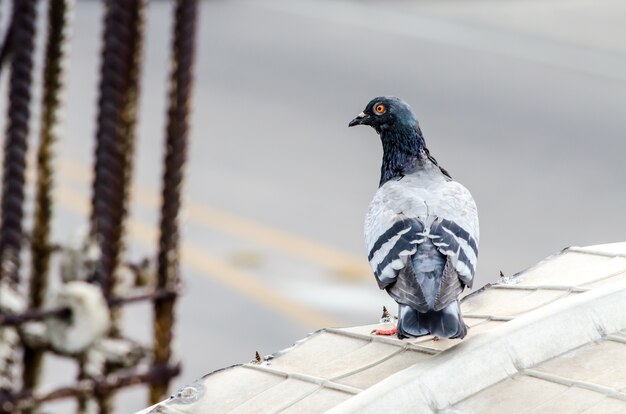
point(385, 332)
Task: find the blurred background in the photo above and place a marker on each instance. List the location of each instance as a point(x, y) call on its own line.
point(524, 102)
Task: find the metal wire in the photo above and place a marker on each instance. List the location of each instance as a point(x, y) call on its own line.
point(176, 152)
point(51, 102)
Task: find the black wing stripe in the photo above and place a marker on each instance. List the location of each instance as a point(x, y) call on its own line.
point(392, 232)
point(462, 233)
point(463, 258)
point(450, 243)
point(394, 253)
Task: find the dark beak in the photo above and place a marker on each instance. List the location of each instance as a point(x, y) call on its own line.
point(359, 120)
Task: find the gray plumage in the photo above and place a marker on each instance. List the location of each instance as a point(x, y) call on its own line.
point(421, 229)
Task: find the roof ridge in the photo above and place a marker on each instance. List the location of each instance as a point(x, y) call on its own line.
point(528, 340)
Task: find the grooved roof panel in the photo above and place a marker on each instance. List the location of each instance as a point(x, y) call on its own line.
point(550, 339)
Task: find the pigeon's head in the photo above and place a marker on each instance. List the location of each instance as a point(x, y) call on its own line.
point(386, 113)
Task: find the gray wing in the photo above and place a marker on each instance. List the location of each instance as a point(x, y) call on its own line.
point(394, 247)
point(402, 216)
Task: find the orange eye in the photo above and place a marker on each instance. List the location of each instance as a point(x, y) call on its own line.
point(379, 109)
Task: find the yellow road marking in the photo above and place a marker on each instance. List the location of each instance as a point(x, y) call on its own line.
point(340, 263)
point(210, 266)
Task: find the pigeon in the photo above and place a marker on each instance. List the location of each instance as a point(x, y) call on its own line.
point(421, 229)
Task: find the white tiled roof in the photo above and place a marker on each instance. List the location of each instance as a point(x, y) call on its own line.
point(548, 340)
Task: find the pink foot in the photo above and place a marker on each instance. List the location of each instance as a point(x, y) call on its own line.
point(386, 332)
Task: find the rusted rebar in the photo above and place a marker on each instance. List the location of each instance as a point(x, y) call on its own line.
point(119, 86)
point(51, 102)
point(139, 295)
point(16, 142)
point(99, 386)
point(116, 131)
point(145, 294)
point(175, 155)
point(21, 47)
point(121, 58)
point(17, 319)
point(5, 49)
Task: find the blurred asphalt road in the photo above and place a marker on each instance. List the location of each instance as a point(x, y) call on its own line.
point(523, 102)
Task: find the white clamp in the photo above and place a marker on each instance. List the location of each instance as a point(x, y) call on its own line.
point(88, 321)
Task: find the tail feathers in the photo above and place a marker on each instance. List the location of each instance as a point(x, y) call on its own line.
point(446, 323)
